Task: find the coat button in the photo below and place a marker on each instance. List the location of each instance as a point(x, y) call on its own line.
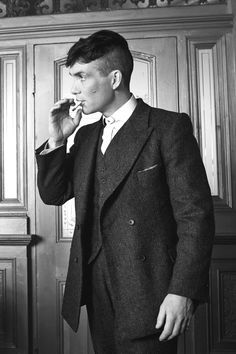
point(77, 227)
point(76, 259)
point(142, 257)
point(131, 222)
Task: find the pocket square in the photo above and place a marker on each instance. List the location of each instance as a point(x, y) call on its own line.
point(149, 168)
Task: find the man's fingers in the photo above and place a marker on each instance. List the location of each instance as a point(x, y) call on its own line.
point(78, 116)
point(62, 104)
point(65, 101)
point(176, 329)
point(185, 325)
point(160, 318)
point(168, 328)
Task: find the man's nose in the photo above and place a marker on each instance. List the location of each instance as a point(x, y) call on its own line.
point(75, 89)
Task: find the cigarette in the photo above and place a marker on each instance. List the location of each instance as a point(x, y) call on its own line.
point(77, 105)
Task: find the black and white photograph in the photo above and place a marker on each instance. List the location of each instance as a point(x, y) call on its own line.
point(117, 177)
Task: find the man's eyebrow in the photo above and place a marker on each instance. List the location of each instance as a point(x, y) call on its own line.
point(77, 73)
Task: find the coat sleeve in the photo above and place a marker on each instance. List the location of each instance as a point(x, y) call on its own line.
point(192, 208)
point(55, 174)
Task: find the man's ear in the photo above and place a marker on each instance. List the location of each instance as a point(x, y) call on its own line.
point(116, 79)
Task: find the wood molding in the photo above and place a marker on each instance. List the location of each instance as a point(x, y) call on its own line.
point(221, 205)
point(121, 21)
point(225, 239)
point(15, 240)
point(217, 109)
point(13, 194)
point(13, 298)
point(8, 304)
point(22, 8)
point(60, 287)
point(14, 224)
point(223, 309)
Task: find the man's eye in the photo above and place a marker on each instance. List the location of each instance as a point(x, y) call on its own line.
point(82, 78)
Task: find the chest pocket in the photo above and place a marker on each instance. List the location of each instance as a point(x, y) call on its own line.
point(149, 176)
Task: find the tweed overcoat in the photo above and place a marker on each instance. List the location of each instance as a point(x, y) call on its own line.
point(156, 216)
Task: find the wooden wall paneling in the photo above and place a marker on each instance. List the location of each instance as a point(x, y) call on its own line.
point(10, 224)
point(67, 339)
point(9, 141)
point(213, 329)
point(52, 251)
point(160, 54)
point(32, 191)
point(13, 201)
point(207, 117)
point(223, 304)
point(66, 214)
point(183, 77)
point(209, 68)
point(13, 129)
point(144, 77)
point(44, 29)
point(196, 339)
point(209, 109)
point(199, 339)
point(8, 302)
point(176, 19)
point(231, 74)
point(13, 294)
point(225, 187)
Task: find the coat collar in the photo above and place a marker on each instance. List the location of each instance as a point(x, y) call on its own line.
point(126, 146)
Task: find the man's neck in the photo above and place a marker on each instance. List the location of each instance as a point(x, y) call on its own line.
point(119, 101)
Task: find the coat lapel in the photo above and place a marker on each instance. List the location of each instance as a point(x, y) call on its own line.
point(126, 146)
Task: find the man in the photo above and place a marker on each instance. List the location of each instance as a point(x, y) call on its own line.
point(144, 218)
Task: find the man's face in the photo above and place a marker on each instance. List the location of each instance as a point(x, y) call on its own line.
point(92, 88)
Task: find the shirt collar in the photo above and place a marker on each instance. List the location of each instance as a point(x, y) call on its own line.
point(123, 113)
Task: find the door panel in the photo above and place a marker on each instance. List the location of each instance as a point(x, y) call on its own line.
point(155, 80)
point(54, 335)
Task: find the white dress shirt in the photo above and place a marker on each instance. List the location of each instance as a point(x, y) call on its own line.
point(116, 121)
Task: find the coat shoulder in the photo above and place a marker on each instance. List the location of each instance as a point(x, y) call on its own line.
point(166, 118)
point(164, 121)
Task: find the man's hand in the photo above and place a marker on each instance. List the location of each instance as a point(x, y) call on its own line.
point(175, 315)
point(61, 123)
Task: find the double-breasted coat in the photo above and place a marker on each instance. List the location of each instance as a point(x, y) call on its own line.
point(156, 214)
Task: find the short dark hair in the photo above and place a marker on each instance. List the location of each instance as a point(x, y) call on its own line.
point(107, 45)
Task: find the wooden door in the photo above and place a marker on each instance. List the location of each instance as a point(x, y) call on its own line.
point(155, 80)
point(54, 225)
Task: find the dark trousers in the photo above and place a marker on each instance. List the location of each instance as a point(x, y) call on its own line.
point(101, 316)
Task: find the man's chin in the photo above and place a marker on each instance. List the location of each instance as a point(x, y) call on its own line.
point(87, 111)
